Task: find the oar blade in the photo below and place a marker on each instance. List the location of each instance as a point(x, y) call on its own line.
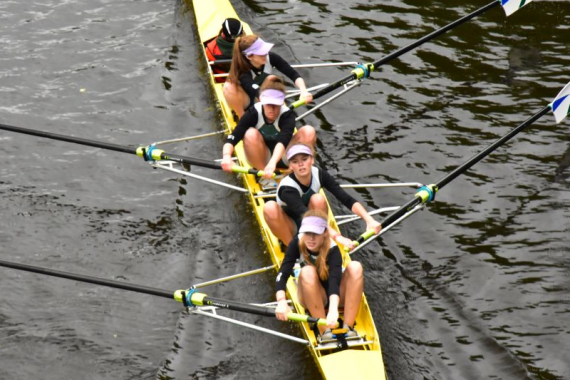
point(561, 104)
point(511, 6)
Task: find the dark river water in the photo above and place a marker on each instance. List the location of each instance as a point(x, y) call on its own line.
point(476, 286)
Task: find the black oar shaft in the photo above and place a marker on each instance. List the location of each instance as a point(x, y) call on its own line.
point(76, 140)
point(204, 300)
point(464, 167)
point(333, 86)
point(475, 159)
point(89, 279)
point(114, 147)
point(434, 34)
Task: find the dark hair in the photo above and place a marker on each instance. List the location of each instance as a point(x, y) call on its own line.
point(240, 64)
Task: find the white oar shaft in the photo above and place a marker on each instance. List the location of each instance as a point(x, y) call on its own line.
point(325, 64)
point(168, 167)
point(182, 139)
point(381, 185)
point(347, 88)
point(293, 93)
point(304, 65)
point(212, 314)
point(384, 230)
point(352, 218)
point(233, 277)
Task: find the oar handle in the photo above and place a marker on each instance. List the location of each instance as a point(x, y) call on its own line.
point(255, 172)
point(294, 317)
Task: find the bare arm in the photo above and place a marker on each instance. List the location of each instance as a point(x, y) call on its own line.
point(371, 224)
point(306, 96)
point(227, 161)
point(282, 306)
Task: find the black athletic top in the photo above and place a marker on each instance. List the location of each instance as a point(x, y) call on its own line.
point(250, 119)
point(251, 86)
point(334, 262)
point(295, 206)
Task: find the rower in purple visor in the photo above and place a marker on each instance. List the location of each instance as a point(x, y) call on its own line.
point(252, 62)
point(322, 282)
point(300, 191)
point(266, 130)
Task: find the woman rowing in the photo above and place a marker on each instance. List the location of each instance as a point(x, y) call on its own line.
point(299, 192)
point(252, 62)
point(267, 129)
point(321, 282)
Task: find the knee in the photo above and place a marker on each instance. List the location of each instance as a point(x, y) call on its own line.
point(307, 134)
point(252, 136)
point(309, 275)
point(317, 201)
point(271, 210)
point(355, 270)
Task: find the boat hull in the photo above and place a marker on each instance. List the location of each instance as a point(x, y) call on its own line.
point(362, 361)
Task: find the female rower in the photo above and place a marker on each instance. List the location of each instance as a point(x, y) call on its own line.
point(267, 129)
point(299, 191)
point(252, 62)
point(321, 280)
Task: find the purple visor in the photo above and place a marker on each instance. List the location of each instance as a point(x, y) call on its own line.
point(298, 149)
point(259, 47)
point(271, 96)
point(313, 224)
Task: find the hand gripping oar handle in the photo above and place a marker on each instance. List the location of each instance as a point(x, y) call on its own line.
point(424, 194)
point(255, 172)
point(191, 298)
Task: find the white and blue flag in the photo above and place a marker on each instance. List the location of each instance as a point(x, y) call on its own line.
point(561, 104)
point(511, 6)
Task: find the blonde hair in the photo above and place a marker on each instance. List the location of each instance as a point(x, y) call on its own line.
point(323, 254)
point(240, 64)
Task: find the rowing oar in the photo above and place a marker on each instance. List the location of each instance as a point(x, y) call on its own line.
point(560, 106)
point(364, 70)
point(189, 297)
point(149, 153)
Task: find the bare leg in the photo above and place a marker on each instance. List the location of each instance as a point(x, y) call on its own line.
point(318, 202)
point(236, 97)
point(256, 151)
point(279, 222)
point(311, 293)
point(351, 288)
point(305, 135)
